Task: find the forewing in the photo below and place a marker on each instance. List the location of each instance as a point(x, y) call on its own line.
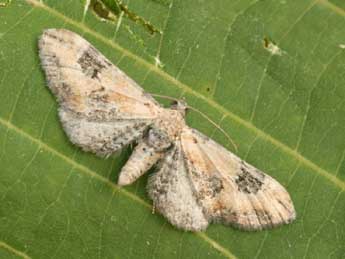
point(230, 190)
point(93, 93)
point(172, 195)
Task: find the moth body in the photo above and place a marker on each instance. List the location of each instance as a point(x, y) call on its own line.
point(159, 137)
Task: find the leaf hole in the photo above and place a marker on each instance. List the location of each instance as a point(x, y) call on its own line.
point(111, 11)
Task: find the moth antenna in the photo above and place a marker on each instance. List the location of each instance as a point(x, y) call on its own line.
point(165, 97)
point(216, 125)
point(203, 115)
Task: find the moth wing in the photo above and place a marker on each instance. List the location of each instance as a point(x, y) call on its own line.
point(230, 190)
point(101, 108)
point(172, 195)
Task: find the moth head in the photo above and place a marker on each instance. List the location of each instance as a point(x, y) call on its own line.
point(180, 105)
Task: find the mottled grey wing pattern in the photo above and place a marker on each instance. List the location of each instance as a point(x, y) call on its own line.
point(230, 190)
point(198, 180)
point(101, 108)
point(172, 194)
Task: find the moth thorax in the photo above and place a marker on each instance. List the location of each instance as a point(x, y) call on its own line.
point(180, 105)
point(158, 139)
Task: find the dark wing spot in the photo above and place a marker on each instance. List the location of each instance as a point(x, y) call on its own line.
point(91, 63)
point(54, 36)
point(247, 182)
point(215, 184)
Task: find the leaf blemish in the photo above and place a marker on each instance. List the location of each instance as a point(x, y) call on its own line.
point(102, 11)
point(5, 4)
point(112, 12)
point(272, 47)
point(137, 19)
point(158, 62)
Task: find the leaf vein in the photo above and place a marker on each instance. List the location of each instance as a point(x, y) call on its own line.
point(321, 225)
point(14, 250)
point(332, 6)
point(340, 163)
point(157, 57)
point(305, 118)
point(18, 22)
point(261, 246)
point(65, 235)
point(228, 31)
point(190, 51)
point(101, 225)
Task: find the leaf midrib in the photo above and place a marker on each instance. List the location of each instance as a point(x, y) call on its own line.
point(13, 250)
point(292, 152)
point(93, 174)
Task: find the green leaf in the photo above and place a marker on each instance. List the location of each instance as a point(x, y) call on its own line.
point(271, 73)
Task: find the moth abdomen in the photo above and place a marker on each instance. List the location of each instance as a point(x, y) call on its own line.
point(141, 160)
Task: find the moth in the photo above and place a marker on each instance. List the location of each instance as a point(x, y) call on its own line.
point(197, 181)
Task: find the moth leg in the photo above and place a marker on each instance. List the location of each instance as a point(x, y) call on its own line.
point(172, 195)
point(141, 160)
